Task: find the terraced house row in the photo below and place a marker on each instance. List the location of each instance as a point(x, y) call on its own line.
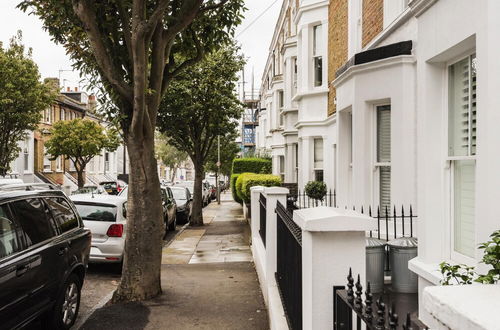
point(392, 102)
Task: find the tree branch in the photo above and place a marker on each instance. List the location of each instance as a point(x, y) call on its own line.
point(83, 9)
point(214, 6)
point(168, 76)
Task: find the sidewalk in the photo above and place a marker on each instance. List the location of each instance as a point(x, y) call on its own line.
point(208, 279)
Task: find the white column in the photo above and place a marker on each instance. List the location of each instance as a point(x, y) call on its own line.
point(258, 250)
point(289, 164)
point(333, 240)
point(273, 195)
point(305, 162)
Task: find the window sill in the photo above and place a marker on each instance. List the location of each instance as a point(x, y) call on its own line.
point(47, 171)
point(428, 271)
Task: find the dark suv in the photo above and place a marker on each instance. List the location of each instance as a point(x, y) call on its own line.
point(44, 251)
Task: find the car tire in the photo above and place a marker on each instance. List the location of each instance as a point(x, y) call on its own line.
point(65, 311)
point(172, 226)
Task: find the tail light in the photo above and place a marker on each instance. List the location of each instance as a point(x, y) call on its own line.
point(115, 231)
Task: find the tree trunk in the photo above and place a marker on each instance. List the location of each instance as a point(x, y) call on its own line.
point(80, 178)
point(197, 212)
point(142, 257)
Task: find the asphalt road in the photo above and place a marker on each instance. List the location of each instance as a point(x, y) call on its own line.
point(100, 281)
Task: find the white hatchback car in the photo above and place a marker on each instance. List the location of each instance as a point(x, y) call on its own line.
point(106, 217)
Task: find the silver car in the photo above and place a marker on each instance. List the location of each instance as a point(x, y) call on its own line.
point(106, 217)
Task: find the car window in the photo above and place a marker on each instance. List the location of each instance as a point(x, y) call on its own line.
point(8, 239)
point(124, 211)
point(96, 212)
point(179, 194)
point(63, 214)
point(170, 195)
point(164, 195)
point(34, 220)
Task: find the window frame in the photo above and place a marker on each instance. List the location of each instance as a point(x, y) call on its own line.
point(377, 165)
point(451, 162)
point(317, 55)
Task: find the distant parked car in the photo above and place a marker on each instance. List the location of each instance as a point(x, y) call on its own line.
point(184, 203)
point(113, 187)
point(205, 193)
point(90, 189)
point(44, 250)
point(168, 205)
point(106, 217)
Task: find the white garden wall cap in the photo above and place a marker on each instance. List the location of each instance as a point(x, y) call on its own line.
point(333, 219)
point(428, 271)
point(255, 188)
point(276, 191)
point(470, 307)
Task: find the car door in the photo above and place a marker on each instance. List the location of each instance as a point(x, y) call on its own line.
point(15, 281)
point(47, 254)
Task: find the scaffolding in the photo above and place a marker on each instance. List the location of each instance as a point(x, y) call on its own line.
point(249, 125)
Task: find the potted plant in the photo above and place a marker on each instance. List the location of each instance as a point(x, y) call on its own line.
point(316, 190)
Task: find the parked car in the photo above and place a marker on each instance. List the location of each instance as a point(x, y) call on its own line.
point(168, 205)
point(44, 251)
point(106, 217)
point(205, 193)
point(90, 189)
point(184, 203)
point(113, 187)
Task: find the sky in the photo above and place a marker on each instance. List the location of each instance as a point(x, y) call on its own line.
point(253, 35)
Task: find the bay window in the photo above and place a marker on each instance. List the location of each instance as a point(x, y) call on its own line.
point(462, 152)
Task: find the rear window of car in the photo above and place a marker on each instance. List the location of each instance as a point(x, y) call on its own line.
point(179, 194)
point(63, 213)
point(96, 212)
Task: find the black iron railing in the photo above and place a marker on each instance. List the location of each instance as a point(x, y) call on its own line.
point(289, 266)
point(351, 311)
point(262, 229)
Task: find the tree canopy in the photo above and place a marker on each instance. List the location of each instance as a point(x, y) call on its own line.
point(200, 105)
point(229, 150)
point(80, 140)
point(22, 99)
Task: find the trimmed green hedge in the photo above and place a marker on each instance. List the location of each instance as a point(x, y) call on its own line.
point(234, 177)
point(248, 180)
point(252, 165)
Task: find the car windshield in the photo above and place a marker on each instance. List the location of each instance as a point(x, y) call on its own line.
point(108, 185)
point(179, 194)
point(96, 212)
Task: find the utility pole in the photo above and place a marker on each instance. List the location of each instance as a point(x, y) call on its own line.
point(217, 177)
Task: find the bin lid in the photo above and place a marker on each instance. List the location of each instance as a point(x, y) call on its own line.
point(372, 242)
point(404, 242)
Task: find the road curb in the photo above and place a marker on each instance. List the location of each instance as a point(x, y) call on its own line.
point(100, 304)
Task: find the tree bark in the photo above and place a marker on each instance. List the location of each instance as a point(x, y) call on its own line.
point(80, 178)
point(197, 212)
point(143, 244)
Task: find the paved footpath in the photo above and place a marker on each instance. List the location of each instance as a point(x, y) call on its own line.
point(208, 281)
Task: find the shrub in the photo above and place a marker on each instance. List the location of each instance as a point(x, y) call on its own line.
point(463, 274)
point(249, 180)
point(234, 177)
point(316, 190)
point(252, 165)
point(239, 184)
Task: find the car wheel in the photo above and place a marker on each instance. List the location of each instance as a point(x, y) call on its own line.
point(172, 226)
point(67, 305)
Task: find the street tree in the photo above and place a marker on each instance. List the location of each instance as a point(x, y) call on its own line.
point(169, 155)
point(229, 150)
point(80, 140)
point(134, 49)
point(200, 105)
point(22, 99)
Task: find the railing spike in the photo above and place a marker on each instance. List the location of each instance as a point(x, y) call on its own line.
point(407, 324)
point(358, 301)
point(350, 285)
point(362, 210)
point(380, 314)
point(368, 303)
point(393, 317)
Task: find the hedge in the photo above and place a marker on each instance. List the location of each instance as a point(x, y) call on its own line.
point(234, 177)
point(248, 180)
point(252, 165)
